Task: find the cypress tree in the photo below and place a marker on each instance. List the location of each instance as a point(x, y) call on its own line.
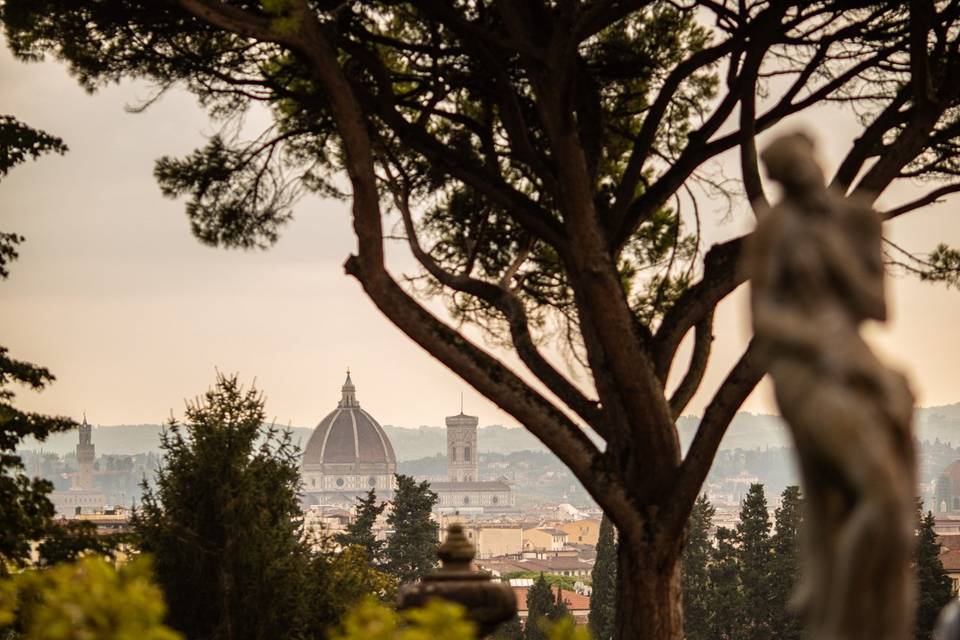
point(223, 522)
point(696, 583)
point(560, 606)
point(754, 564)
point(360, 532)
point(933, 582)
point(512, 629)
point(785, 564)
point(603, 601)
point(540, 608)
point(411, 550)
point(723, 597)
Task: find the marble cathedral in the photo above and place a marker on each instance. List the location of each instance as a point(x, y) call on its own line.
point(349, 453)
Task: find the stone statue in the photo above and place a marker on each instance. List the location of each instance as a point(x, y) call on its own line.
point(815, 264)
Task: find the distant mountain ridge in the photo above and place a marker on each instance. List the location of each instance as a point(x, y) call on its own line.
point(748, 431)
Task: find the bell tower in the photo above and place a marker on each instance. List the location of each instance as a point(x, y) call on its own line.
point(462, 447)
point(86, 453)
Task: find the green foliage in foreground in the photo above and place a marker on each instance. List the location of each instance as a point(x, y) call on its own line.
point(85, 600)
point(224, 526)
point(438, 620)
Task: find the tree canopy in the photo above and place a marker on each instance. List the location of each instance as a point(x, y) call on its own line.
point(223, 523)
point(411, 549)
point(548, 164)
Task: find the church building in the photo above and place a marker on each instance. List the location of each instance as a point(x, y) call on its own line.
point(463, 490)
point(349, 453)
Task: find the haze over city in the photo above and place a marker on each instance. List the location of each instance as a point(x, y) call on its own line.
point(133, 315)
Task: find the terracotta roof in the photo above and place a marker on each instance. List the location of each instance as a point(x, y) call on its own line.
point(949, 541)
point(951, 560)
point(549, 530)
point(348, 435)
point(573, 600)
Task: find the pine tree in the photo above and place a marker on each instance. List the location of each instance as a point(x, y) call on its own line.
point(25, 510)
point(512, 629)
point(223, 522)
point(785, 564)
point(933, 582)
point(754, 564)
point(541, 608)
point(603, 601)
point(559, 606)
point(724, 603)
point(696, 583)
point(360, 531)
point(411, 550)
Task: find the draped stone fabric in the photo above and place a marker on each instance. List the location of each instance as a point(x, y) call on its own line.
point(816, 269)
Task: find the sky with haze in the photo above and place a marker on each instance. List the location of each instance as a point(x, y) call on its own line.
point(132, 314)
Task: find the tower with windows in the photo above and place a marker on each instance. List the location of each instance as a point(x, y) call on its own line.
point(462, 448)
point(86, 454)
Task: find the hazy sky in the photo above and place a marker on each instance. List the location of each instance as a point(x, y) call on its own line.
point(133, 315)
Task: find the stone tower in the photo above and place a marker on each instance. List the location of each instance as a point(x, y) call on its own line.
point(462, 448)
point(85, 456)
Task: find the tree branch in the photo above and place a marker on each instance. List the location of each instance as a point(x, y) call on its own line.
point(721, 275)
point(739, 383)
point(703, 341)
point(928, 199)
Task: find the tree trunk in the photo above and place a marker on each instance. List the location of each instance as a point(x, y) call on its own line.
point(648, 597)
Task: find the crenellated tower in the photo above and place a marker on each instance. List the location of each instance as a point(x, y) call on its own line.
point(462, 447)
point(86, 453)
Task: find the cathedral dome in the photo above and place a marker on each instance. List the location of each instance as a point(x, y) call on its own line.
point(348, 435)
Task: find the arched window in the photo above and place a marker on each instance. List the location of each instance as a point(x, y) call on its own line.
point(466, 454)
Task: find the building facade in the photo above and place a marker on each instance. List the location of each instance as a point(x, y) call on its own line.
point(462, 463)
point(82, 497)
point(946, 497)
point(463, 491)
point(347, 455)
point(86, 454)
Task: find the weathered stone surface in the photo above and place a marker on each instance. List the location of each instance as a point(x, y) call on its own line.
point(816, 269)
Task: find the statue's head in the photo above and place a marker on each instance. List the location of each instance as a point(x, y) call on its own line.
point(790, 161)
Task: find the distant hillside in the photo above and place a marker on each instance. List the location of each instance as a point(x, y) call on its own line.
point(748, 431)
point(408, 444)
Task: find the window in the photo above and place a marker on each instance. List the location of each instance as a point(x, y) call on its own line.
point(466, 454)
point(466, 499)
point(339, 482)
point(313, 482)
point(494, 500)
point(956, 504)
point(372, 481)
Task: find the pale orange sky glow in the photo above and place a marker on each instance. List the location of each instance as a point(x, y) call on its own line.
point(133, 315)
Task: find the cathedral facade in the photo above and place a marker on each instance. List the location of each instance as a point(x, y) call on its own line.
point(349, 453)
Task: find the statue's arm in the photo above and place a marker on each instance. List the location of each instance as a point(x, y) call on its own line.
point(789, 330)
point(856, 263)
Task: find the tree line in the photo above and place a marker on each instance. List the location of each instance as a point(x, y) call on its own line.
point(739, 583)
